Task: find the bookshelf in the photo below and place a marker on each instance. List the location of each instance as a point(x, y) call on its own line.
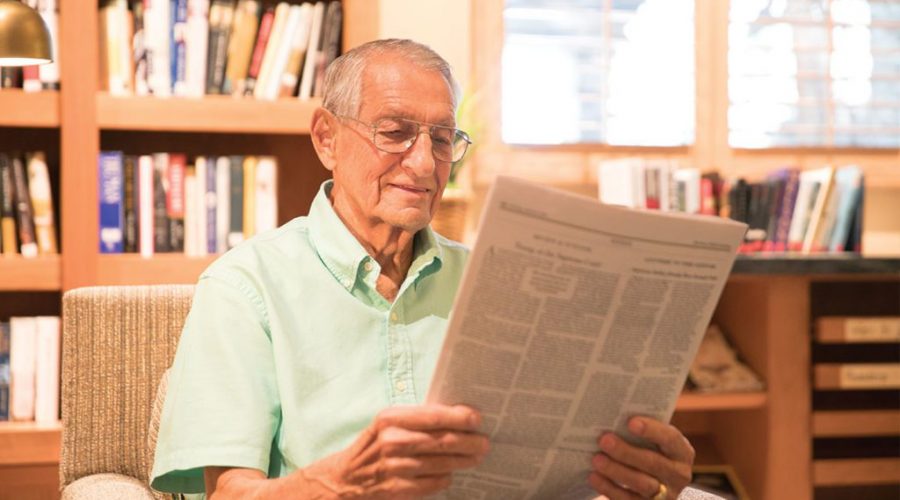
point(29, 109)
point(38, 274)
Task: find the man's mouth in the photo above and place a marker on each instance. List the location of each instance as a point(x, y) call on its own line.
point(411, 188)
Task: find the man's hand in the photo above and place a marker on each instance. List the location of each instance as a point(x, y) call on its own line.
point(624, 471)
point(406, 452)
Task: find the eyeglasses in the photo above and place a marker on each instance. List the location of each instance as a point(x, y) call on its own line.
point(397, 135)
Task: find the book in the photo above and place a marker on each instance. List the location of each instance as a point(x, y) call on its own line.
point(330, 45)
point(856, 376)
point(190, 216)
point(240, 46)
point(161, 242)
point(290, 78)
point(521, 352)
point(4, 371)
point(24, 210)
point(200, 211)
point(786, 211)
point(221, 13)
point(270, 88)
point(197, 41)
point(236, 203)
point(130, 204)
point(266, 194)
point(210, 204)
point(179, 47)
point(849, 185)
point(223, 202)
point(175, 207)
point(817, 214)
point(146, 213)
point(49, 73)
point(249, 196)
point(10, 77)
point(259, 50)
point(157, 44)
point(276, 41)
point(846, 329)
point(42, 203)
point(22, 361)
point(111, 217)
point(7, 207)
point(46, 394)
point(621, 182)
point(139, 52)
point(308, 77)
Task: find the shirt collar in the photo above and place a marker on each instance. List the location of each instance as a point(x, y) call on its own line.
point(346, 258)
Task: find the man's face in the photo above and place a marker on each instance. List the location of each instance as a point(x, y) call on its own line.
point(401, 190)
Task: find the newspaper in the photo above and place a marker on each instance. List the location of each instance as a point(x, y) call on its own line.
point(571, 317)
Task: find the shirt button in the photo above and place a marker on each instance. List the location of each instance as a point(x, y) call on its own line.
point(400, 385)
point(367, 266)
point(394, 317)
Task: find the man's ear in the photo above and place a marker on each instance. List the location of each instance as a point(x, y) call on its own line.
point(323, 130)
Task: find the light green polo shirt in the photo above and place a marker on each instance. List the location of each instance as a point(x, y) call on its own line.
point(289, 351)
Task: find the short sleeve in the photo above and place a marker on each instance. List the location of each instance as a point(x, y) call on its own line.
point(222, 406)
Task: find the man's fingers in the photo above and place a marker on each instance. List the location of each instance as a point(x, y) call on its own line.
point(674, 474)
point(670, 441)
point(609, 489)
point(397, 441)
point(429, 417)
point(428, 465)
point(629, 478)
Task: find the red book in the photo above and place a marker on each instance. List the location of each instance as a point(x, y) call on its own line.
point(259, 50)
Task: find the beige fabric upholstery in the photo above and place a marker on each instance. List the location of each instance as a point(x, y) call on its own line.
point(100, 486)
point(117, 342)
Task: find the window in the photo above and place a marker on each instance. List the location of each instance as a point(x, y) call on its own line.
point(618, 72)
point(821, 73)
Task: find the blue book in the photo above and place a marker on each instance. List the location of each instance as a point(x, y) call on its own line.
point(178, 49)
point(4, 371)
point(112, 228)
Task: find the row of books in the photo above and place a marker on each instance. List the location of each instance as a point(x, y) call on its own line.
point(45, 76)
point(235, 47)
point(29, 369)
point(27, 222)
point(160, 203)
point(808, 211)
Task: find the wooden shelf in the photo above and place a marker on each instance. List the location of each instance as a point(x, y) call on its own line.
point(224, 114)
point(707, 402)
point(38, 274)
point(132, 269)
point(29, 109)
point(856, 471)
point(29, 443)
point(856, 423)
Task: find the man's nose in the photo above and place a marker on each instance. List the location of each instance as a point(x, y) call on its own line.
point(419, 157)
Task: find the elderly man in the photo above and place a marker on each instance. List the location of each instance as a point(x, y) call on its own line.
point(308, 351)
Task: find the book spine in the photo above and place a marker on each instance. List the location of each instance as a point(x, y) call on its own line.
point(4, 371)
point(308, 76)
point(836, 329)
point(249, 196)
point(129, 204)
point(10, 77)
point(179, 47)
point(42, 203)
point(190, 214)
point(22, 360)
point(210, 205)
point(110, 188)
point(146, 196)
point(236, 203)
point(7, 206)
point(223, 202)
point(197, 45)
point(24, 210)
point(786, 214)
point(259, 50)
point(240, 46)
point(266, 194)
point(49, 73)
point(175, 200)
point(139, 53)
point(31, 79)
point(220, 17)
point(160, 217)
point(331, 44)
point(156, 41)
point(291, 75)
point(276, 40)
point(199, 209)
point(46, 397)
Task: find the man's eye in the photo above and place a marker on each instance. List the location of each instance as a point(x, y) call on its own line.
point(394, 134)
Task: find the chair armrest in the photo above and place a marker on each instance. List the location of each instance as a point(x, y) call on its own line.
point(108, 486)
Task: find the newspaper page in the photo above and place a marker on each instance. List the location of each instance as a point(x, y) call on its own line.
point(571, 317)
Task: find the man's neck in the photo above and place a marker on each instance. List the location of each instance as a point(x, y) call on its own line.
point(390, 246)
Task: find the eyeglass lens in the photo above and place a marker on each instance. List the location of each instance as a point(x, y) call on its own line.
point(394, 135)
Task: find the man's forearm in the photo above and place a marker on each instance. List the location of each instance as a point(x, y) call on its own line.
point(226, 483)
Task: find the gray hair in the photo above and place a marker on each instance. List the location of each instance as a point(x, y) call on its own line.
point(343, 77)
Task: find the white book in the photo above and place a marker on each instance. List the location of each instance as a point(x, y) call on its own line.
point(312, 52)
point(199, 208)
point(816, 217)
point(145, 205)
point(272, 83)
point(266, 194)
point(621, 182)
point(41, 203)
point(299, 44)
point(22, 364)
point(223, 205)
point(691, 179)
point(46, 404)
point(197, 42)
point(49, 73)
point(276, 40)
point(806, 188)
point(157, 40)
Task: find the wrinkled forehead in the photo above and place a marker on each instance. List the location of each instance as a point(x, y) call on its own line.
point(392, 80)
